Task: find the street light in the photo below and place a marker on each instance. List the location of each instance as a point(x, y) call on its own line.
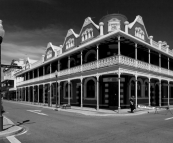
point(2, 32)
point(56, 75)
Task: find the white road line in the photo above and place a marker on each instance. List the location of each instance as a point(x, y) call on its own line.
point(169, 118)
point(37, 112)
point(12, 139)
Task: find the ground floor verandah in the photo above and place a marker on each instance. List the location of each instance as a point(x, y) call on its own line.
point(108, 91)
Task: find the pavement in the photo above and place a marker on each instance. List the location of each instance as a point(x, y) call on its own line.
point(9, 128)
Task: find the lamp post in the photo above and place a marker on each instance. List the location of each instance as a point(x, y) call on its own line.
point(56, 75)
point(2, 32)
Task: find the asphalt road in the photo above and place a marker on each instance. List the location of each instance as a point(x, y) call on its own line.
point(49, 126)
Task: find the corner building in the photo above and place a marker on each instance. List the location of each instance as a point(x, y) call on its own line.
point(101, 67)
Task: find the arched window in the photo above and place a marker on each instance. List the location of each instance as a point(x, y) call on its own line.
point(139, 89)
point(146, 89)
point(90, 89)
point(90, 56)
point(66, 90)
point(132, 88)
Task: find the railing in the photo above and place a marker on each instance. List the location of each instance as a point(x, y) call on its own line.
point(90, 66)
point(155, 44)
point(163, 48)
point(143, 65)
point(127, 61)
point(103, 63)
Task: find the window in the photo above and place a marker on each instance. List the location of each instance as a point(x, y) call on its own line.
point(146, 89)
point(87, 34)
point(90, 89)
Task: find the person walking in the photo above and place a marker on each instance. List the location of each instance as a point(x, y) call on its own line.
point(132, 104)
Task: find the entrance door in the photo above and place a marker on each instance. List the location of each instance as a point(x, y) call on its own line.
point(113, 94)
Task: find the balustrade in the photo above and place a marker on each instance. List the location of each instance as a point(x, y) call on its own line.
point(113, 60)
point(90, 66)
point(155, 44)
point(75, 69)
point(163, 48)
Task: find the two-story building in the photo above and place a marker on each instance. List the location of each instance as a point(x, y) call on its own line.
point(101, 67)
point(8, 84)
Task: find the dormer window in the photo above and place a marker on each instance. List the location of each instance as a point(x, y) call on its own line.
point(139, 33)
point(113, 24)
point(87, 34)
point(70, 43)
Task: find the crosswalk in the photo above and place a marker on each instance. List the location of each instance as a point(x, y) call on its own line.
point(13, 139)
point(9, 139)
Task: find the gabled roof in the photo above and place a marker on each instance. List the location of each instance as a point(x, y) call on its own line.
point(55, 48)
point(69, 33)
point(139, 20)
point(87, 21)
point(31, 61)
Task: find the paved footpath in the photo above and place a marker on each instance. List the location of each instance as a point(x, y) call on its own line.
point(10, 129)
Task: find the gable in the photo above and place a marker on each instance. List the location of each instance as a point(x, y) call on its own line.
point(27, 65)
point(49, 54)
point(138, 30)
point(87, 33)
point(70, 40)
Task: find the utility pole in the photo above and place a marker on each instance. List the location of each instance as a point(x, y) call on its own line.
point(2, 32)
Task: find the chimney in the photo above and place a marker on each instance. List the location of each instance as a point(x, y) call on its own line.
point(101, 28)
point(43, 58)
point(126, 26)
point(151, 39)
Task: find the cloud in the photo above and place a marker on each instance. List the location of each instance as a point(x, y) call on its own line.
point(21, 43)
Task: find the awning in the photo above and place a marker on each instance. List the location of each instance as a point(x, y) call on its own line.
point(12, 89)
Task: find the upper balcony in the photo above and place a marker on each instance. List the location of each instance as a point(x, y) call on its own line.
point(106, 62)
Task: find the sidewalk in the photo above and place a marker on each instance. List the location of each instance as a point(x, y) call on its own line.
point(9, 128)
point(92, 111)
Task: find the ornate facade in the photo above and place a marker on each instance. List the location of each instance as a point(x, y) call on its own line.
point(101, 67)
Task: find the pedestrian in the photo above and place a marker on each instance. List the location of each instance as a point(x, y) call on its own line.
point(132, 104)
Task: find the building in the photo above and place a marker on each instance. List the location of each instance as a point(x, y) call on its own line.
point(101, 67)
point(8, 84)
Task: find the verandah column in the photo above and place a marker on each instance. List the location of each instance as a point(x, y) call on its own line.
point(97, 56)
point(97, 92)
point(43, 94)
point(25, 93)
point(68, 91)
point(33, 93)
point(81, 79)
point(149, 103)
point(16, 93)
point(28, 93)
point(168, 92)
point(136, 54)
point(81, 61)
point(136, 89)
point(160, 92)
point(59, 87)
point(50, 93)
point(119, 95)
point(38, 93)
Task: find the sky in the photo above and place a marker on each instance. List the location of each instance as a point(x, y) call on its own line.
point(31, 24)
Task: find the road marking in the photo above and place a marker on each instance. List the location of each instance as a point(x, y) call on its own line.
point(37, 112)
point(169, 118)
point(12, 139)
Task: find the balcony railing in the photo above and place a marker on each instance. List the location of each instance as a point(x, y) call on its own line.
point(110, 61)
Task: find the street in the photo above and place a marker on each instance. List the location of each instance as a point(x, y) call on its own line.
point(49, 126)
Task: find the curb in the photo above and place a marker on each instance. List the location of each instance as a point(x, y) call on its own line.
point(10, 133)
